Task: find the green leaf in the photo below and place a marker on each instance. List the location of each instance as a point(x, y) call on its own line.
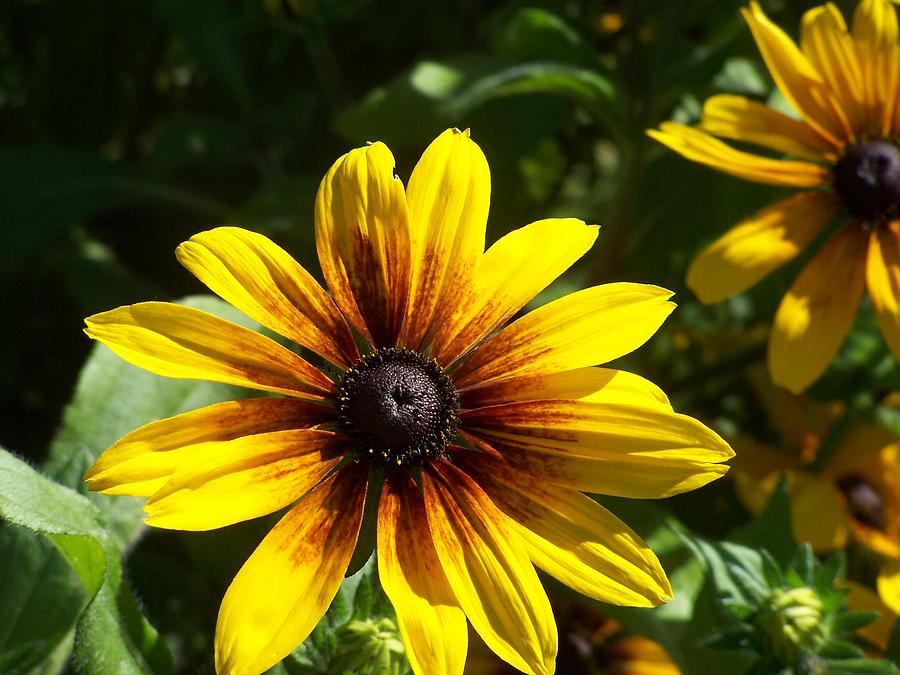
point(772, 529)
point(112, 637)
point(41, 599)
point(534, 33)
point(588, 87)
point(113, 398)
point(850, 622)
point(839, 649)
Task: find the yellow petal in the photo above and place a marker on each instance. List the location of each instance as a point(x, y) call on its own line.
point(362, 236)
point(817, 514)
point(449, 194)
point(875, 22)
point(876, 35)
point(141, 462)
point(228, 482)
point(259, 278)
point(489, 571)
point(825, 41)
point(508, 276)
point(799, 82)
point(742, 119)
point(760, 244)
point(573, 538)
point(883, 281)
point(183, 342)
point(599, 385)
point(584, 328)
point(816, 314)
point(699, 146)
point(889, 584)
point(284, 588)
point(861, 599)
point(610, 448)
point(432, 625)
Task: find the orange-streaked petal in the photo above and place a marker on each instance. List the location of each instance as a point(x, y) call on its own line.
point(610, 448)
point(432, 625)
point(599, 385)
point(584, 328)
point(698, 146)
point(284, 588)
point(572, 537)
point(141, 462)
point(816, 314)
point(799, 82)
point(228, 482)
point(258, 277)
point(449, 194)
point(490, 573)
point(742, 119)
point(363, 240)
point(825, 41)
point(760, 244)
point(508, 276)
point(883, 281)
point(183, 342)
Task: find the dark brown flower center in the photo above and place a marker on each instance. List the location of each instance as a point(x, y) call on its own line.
point(863, 501)
point(400, 407)
point(867, 177)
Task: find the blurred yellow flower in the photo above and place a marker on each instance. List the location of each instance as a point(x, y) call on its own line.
point(844, 153)
point(855, 496)
point(598, 645)
point(477, 438)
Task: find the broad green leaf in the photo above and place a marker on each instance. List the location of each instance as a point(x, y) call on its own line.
point(40, 602)
point(112, 398)
point(112, 637)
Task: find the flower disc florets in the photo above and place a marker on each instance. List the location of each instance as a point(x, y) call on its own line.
point(867, 177)
point(400, 406)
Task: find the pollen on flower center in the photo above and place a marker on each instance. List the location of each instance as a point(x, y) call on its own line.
point(867, 177)
point(399, 406)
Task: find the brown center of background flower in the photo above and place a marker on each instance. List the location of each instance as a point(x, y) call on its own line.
point(863, 501)
point(399, 405)
point(867, 177)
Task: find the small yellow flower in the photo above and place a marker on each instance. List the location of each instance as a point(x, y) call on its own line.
point(855, 496)
point(476, 439)
point(844, 152)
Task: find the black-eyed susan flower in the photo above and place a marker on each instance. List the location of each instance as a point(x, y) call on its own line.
point(843, 153)
point(854, 497)
point(477, 440)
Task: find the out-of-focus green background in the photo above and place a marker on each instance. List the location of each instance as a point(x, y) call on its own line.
point(126, 126)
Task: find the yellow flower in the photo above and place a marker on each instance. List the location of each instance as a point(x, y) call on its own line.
point(476, 442)
point(845, 149)
point(597, 644)
point(855, 496)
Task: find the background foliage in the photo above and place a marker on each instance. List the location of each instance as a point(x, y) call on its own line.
point(127, 126)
